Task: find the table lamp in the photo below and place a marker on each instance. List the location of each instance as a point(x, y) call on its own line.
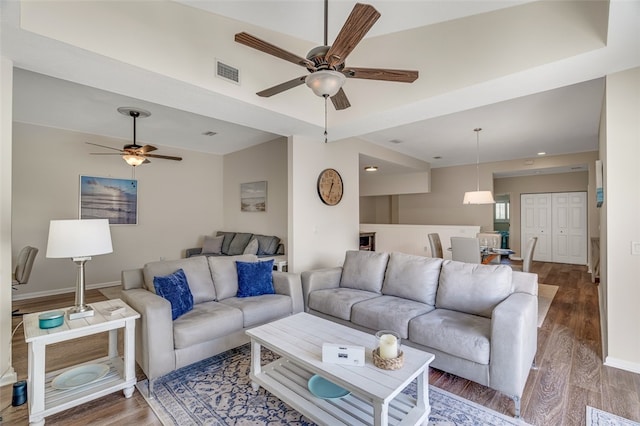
point(79, 239)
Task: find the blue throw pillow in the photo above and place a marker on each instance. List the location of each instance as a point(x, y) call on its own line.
point(175, 289)
point(255, 278)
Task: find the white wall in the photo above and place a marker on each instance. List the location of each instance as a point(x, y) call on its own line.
point(7, 373)
point(177, 203)
point(622, 205)
point(265, 162)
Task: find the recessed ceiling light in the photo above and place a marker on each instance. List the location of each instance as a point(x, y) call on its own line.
point(542, 153)
point(371, 168)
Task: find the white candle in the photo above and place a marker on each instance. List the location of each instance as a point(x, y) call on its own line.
point(388, 346)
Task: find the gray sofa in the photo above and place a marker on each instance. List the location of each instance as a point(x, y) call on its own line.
point(480, 321)
point(226, 243)
point(218, 319)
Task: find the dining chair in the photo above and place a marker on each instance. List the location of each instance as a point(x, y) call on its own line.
point(22, 271)
point(466, 249)
point(528, 256)
point(436, 246)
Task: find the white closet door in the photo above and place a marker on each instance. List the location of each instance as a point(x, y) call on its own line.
point(535, 221)
point(570, 227)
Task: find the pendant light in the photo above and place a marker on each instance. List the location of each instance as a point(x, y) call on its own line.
point(477, 196)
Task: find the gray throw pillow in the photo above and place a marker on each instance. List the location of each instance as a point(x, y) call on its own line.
point(239, 242)
point(228, 237)
point(473, 288)
point(212, 245)
point(412, 277)
point(252, 247)
point(267, 244)
point(364, 270)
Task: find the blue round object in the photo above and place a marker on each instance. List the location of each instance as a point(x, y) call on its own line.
point(51, 319)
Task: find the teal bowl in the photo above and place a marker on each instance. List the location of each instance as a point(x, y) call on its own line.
point(51, 319)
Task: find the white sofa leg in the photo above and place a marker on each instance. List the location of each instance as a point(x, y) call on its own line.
point(516, 400)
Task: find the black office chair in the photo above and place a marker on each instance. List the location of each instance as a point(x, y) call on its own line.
point(22, 271)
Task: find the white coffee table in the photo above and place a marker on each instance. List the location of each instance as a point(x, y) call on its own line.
point(46, 399)
point(376, 395)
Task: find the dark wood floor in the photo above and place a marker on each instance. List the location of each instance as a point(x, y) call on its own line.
point(570, 375)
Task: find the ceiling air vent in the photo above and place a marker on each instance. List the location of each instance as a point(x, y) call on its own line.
point(227, 72)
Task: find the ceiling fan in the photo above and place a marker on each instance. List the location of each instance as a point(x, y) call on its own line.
point(134, 154)
point(327, 63)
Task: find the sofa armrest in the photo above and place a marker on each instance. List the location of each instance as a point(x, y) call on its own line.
point(289, 284)
point(514, 340)
point(132, 278)
point(193, 251)
point(319, 279)
point(154, 332)
point(525, 282)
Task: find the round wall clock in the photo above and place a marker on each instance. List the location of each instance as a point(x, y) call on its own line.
point(330, 187)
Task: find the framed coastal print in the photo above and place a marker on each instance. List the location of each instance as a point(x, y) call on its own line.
point(253, 196)
point(109, 198)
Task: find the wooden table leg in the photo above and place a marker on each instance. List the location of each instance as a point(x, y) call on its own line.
point(129, 353)
point(35, 388)
point(256, 368)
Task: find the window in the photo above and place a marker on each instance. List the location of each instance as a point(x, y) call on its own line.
point(502, 211)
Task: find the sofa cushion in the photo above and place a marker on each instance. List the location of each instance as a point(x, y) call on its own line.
point(267, 244)
point(228, 237)
point(212, 245)
point(456, 333)
point(258, 310)
point(337, 302)
point(255, 278)
point(239, 242)
point(388, 313)
point(225, 274)
point(196, 269)
point(412, 277)
point(472, 288)
point(205, 322)
point(175, 289)
point(252, 247)
point(364, 270)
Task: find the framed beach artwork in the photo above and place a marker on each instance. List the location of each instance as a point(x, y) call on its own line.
point(253, 196)
point(109, 198)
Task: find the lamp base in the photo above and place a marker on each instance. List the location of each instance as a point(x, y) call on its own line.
point(80, 312)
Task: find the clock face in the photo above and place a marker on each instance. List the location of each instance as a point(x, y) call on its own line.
point(330, 187)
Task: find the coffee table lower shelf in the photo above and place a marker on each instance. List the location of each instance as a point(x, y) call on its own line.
point(288, 382)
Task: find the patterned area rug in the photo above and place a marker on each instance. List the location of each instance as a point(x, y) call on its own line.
point(217, 391)
point(597, 417)
point(546, 293)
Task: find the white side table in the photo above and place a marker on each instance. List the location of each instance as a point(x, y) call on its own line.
point(44, 400)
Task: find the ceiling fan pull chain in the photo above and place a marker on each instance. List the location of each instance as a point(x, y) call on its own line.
point(325, 117)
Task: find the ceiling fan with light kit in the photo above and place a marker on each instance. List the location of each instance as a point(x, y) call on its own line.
point(133, 153)
point(326, 64)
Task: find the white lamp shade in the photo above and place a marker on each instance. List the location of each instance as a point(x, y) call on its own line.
point(478, 197)
point(79, 238)
point(325, 82)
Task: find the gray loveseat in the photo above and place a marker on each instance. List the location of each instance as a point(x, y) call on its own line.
point(226, 243)
point(480, 321)
point(218, 319)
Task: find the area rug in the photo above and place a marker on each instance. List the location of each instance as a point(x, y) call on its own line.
point(597, 417)
point(546, 293)
point(217, 391)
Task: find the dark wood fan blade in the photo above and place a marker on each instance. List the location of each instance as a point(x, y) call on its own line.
point(147, 148)
point(282, 87)
point(165, 157)
point(401, 76)
point(103, 146)
point(107, 153)
point(359, 22)
point(340, 100)
point(263, 46)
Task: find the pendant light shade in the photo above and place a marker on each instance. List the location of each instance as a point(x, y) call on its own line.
point(477, 196)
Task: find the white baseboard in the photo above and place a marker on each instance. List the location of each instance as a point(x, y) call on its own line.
point(622, 364)
point(9, 377)
point(57, 291)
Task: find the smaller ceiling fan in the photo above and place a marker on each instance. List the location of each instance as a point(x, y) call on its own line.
point(134, 154)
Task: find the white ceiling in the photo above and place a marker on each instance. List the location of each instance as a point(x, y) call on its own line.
point(553, 107)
